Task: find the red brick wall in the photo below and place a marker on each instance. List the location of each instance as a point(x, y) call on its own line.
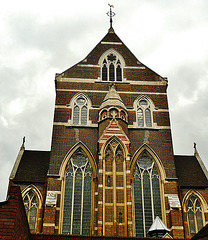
point(13, 221)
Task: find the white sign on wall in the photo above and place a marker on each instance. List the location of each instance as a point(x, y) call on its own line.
point(174, 201)
point(51, 197)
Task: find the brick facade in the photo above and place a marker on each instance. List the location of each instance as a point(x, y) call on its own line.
point(112, 120)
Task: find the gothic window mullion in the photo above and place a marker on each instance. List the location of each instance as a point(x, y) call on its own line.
point(29, 209)
point(111, 68)
point(194, 210)
point(30, 201)
point(144, 113)
point(77, 205)
point(80, 111)
point(151, 189)
point(114, 189)
point(82, 199)
point(143, 207)
point(72, 210)
point(194, 215)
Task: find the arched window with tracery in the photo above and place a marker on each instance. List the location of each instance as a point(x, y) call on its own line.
point(77, 199)
point(144, 113)
point(80, 110)
point(30, 200)
point(194, 214)
point(147, 198)
point(111, 68)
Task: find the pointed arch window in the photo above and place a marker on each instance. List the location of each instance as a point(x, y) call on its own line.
point(80, 110)
point(146, 194)
point(112, 69)
point(144, 114)
point(77, 199)
point(194, 214)
point(31, 202)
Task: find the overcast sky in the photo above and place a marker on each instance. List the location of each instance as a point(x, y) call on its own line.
point(40, 38)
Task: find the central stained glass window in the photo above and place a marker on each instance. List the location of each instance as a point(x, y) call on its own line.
point(77, 200)
point(146, 194)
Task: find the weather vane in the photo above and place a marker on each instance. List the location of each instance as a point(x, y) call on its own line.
point(111, 14)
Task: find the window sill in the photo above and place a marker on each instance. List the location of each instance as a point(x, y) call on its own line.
point(143, 128)
point(81, 126)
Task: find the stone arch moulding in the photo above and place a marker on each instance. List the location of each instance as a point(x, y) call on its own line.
point(109, 51)
point(161, 173)
point(155, 157)
point(71, 152)
point(111, 66)
point(62, 173)
point(37, 191)
point(152, 105)
point(198, 194)
point(77, 95)
point(142, 111)
point(73, 104)
point(125, 150)
point(38, 218)
point(108, 110)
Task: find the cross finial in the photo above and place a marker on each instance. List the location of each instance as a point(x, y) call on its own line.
point(195, 149)
point(111, 14)
point(23, 143)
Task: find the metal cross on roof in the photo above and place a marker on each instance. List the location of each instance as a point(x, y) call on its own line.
point(111, 14)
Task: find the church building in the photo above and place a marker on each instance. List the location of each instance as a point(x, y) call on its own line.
point(111, 170)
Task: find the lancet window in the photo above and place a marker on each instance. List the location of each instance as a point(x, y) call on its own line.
point(146, 194)
point(80, 110)
point(77, 199)
point(112, 68)
point(30, 201)
point(195, 214)
point(144, 114)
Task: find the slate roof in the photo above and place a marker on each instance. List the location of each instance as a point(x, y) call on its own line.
point(33, 167)
point(189, 172)
point(202, 234)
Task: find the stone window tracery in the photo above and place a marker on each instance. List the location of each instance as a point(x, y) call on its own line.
point(194, 214)
point(112, 68)
point(80, 110)
point(77, 199)
point(144, 113)
point(30, 201)
point(146, 194)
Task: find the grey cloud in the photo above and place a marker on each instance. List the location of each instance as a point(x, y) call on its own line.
point(61, 41)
